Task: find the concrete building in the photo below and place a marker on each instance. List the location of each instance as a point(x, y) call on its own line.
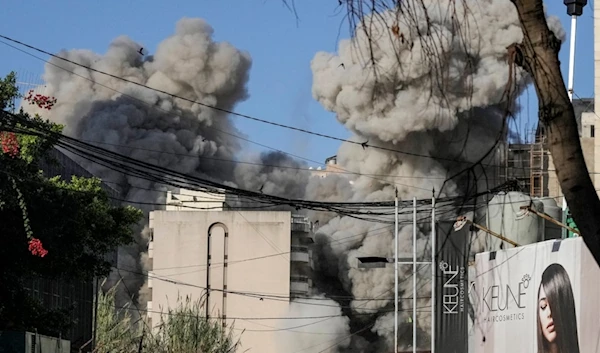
point(245, 264)
point(331, 166)
point(586, 122)
point(531, 163)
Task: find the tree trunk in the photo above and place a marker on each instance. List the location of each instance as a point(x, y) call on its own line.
point(538, 54)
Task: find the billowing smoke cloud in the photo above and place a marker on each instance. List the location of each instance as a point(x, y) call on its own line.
point(327, 334)
point(273, 174)
point(159, 129)
point(450, 111)
point(144, 124)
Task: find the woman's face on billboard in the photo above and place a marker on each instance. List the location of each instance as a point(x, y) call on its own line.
point(546, 317)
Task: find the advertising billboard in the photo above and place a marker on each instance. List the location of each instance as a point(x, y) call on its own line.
point(543, 297)
point(451, 329)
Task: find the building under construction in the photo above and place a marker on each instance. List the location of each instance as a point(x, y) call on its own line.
point(530, 164)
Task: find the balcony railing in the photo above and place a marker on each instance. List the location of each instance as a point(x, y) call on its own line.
point(296, 278)
point(301, 227)
point(300, 249)
point(301, 224)
point(300, 254)
point(296, 218)
point(299, 285)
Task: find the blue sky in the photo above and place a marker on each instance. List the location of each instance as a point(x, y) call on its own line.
point(281, 49)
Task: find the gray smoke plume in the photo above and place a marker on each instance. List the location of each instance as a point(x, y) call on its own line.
point(273, 173)
point(157, 128)
point(450, 111)
point(326, 334)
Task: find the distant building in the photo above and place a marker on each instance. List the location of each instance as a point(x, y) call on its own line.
point(243, 263)
point(586, 122)
point(331, 166)
point(531, 163)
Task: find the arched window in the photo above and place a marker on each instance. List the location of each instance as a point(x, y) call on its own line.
point(216, 252)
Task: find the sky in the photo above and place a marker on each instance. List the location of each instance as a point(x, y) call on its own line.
point(281, 48)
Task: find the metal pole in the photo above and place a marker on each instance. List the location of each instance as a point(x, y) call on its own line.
point(570, 92)
point(433, 271)
point(572, 56)
point(550, 219)
point(414, 275)
point(96, 299)
point(396, 275)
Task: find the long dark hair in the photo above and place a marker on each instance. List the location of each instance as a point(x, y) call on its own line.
point(559, 295)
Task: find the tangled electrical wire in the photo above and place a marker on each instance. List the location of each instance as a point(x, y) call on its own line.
point(369, 211)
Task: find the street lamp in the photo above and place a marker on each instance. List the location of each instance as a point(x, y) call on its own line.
point(574, 9)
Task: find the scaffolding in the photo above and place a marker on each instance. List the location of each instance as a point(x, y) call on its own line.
point(539, 166)
point(527, 163)
point(517, 165)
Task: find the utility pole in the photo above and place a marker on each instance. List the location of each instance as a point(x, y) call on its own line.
point(414, 274)
point(574, 9)
point(382, 262)
point(396, 274)
point(96, 299)
point(433, 271)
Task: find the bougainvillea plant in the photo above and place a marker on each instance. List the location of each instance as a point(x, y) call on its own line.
point(43, 102)
point(10, 147)
point(36, 247)
point(10, 144)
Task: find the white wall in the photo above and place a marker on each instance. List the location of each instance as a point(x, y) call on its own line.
point(180, 254)
point(192, 200)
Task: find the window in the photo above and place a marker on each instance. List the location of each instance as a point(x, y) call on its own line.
point(592, 131)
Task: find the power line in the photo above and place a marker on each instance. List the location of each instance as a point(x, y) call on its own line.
point(144, 170)
point(271, 255)
point(98, 154)
point(252, 318)
point(269, 242)
point(336, 210)
point(368, 326)
point(321, 318)
point(132, 301)
point(264, 296)
point(309, 169)
point(270, 165)
point(208, 127)
point(363, 144)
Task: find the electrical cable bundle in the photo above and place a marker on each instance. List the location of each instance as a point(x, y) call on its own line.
point(146, 171)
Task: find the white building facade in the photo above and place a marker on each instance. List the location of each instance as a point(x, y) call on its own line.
point(244, 264)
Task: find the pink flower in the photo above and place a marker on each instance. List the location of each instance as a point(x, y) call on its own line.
point(41, 101)
point(36, 248)
point(10, 144)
